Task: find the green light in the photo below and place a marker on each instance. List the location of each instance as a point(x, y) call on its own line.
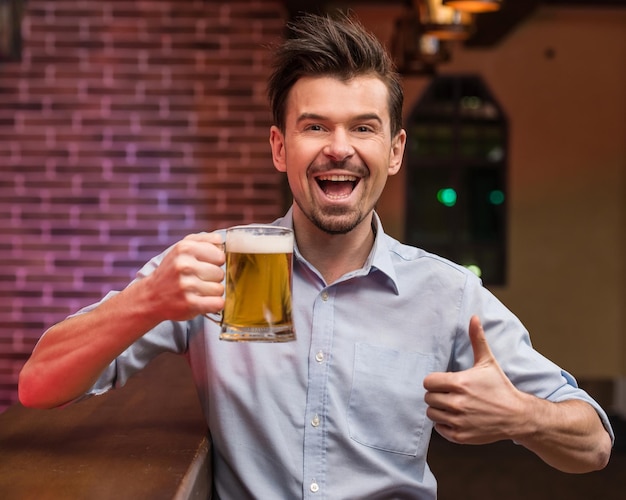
point(475, 269)
point(447, 197)
point(496, 197)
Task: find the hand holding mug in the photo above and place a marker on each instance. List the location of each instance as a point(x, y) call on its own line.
point(189, 279)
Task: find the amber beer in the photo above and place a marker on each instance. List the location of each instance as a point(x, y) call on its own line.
point(258, 284)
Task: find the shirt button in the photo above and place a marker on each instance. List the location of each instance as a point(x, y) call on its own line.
point(324, 296)
point(315, 487)
point(319, 357)
point(316, 421)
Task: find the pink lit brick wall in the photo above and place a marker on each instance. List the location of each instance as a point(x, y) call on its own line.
point(127, 125)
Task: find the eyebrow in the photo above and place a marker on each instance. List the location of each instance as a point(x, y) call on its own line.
point(363, 117)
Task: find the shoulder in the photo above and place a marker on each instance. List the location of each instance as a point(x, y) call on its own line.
point(408, 255)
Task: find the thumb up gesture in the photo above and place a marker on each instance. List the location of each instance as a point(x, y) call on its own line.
point(476, 406)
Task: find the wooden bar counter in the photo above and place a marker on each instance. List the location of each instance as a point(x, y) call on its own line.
point(147, 440)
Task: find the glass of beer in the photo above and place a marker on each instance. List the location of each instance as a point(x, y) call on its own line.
point(259, 260)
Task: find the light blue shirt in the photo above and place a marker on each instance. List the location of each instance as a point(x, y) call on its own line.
point(340, 412)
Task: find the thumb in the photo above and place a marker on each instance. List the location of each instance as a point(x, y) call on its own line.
point(480, 347)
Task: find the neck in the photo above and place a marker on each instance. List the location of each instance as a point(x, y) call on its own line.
point(333, 255)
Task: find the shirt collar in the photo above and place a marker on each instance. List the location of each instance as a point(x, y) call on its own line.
point(380, 256)
point(379, 259)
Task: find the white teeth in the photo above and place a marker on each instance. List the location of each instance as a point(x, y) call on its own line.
point(338, 178)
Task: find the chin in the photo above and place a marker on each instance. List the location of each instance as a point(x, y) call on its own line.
point(334, 220)
point(336, 225)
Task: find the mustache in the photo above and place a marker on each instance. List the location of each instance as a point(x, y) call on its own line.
point(357, 168)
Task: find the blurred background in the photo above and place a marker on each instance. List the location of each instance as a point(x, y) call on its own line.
point(125, 125)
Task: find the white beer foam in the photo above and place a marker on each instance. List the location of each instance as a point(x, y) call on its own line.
point(243, 242)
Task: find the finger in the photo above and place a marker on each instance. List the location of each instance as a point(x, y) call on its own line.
point(440, 382)
point(217, 243)
point(480, 346)
point(214, 237)
point(438, 416)
point(206, 247)
point(448, 432)
point(209, 289)
point(211, 273)
point(439, 401)
point(208, 305)
point(444, 423)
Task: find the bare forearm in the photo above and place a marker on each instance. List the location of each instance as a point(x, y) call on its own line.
point(568, 435)
point(72, 354)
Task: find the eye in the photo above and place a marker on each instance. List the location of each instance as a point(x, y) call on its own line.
point(364, 129)
point(314, 127)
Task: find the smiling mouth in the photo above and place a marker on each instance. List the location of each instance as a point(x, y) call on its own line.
point(337, 187)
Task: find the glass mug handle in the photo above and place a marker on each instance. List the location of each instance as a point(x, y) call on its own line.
point(218, 317)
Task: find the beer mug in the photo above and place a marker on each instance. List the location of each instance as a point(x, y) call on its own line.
point(258, 284)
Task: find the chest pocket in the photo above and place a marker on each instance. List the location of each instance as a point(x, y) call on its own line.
point(387, 409)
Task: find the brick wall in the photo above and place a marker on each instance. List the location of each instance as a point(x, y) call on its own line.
point(126, 125)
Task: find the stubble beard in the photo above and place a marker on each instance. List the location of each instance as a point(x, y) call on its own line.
point(335, 221)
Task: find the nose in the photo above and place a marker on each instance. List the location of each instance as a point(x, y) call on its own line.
point(339, 147)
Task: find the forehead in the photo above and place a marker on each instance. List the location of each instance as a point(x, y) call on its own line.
point(329, 96)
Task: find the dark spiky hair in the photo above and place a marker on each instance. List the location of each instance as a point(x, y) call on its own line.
point(339, 47)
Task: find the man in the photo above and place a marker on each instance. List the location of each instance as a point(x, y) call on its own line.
point(391, 340)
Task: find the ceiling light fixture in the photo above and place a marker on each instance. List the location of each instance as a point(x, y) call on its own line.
point(414, 51)
point(445, 22)
point(474, 6)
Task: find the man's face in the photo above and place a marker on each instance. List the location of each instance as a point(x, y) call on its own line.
point(337, 149)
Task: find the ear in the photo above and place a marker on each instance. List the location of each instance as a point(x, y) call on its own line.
point(398, 144)
point(277, 143)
